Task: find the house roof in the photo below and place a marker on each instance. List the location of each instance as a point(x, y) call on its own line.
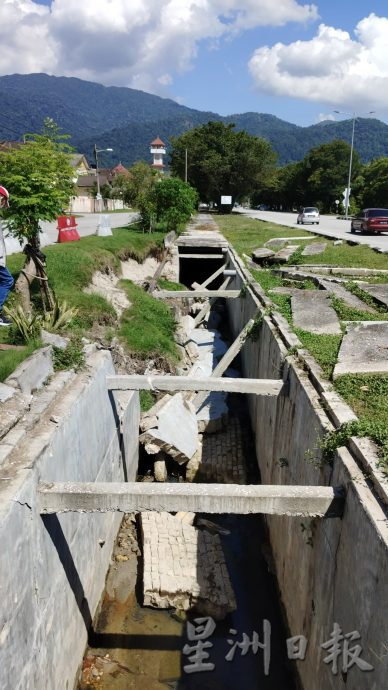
point(119, 169)
point(157, 142)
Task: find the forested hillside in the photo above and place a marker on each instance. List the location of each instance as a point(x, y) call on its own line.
point(127, 120)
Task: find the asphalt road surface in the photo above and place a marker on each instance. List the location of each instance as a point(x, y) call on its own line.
point(329, 226)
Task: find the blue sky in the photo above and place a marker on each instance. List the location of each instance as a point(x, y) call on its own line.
point(296, 60)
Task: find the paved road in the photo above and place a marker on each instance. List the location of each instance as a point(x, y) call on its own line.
point(86, 225)
point(329, 226)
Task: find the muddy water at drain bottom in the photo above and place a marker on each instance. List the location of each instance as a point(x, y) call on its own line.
point(136, 648)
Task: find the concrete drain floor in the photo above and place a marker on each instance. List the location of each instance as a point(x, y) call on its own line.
point(137, 647)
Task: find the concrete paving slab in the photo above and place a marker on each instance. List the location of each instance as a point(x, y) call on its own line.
point(33, 372)
point(312, 311)
point(263, 254)
point(176, 432)
point(184, 567)
point(283, 255)
point(364, 349)
point(379, 292)
point(342, 293)
point(314, 248)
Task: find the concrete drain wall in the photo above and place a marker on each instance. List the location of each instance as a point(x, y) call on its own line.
point(52, 570)
point(328, 571)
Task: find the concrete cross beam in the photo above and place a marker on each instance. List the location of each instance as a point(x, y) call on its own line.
point(314, 501)
point(187, 383)
point(226, 360)
point(179, 294)
point(201, 256)
point(208, 305)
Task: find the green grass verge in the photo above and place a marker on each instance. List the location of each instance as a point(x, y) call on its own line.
point(10, 359)
point(366, 394)
point(148, 325)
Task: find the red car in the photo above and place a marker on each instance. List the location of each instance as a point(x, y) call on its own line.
point(370, 220)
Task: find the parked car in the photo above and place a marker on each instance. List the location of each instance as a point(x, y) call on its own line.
point(309, 214)
point(370, 220)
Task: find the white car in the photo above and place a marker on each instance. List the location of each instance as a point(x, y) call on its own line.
point(309, 214)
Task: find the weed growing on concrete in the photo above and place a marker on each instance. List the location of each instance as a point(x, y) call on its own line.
point(72, 357)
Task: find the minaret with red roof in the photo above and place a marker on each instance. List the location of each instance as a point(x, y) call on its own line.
point(158, 150)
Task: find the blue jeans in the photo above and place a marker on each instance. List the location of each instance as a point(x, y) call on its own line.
point(6, 282)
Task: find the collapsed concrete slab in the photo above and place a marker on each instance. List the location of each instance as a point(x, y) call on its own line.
point(282, 256)
point(314, 248)
point(184, 567)
point(175, 432)
point(263, 254)
point(341, 292)
point(312, 311)
point(379, 292)
point(364, 349)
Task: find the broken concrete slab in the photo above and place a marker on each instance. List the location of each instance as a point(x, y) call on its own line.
point(54, 339)
point(33, 372)
point(282, 256)
point(342, 293)
point(184, 567)
point(364, 349)
point(379, 292)
point(209, 341)
point(259, 255)
point(176, 432)
point(312, 311)
point(314, 248)
point(213, 414)
point(6, 392)
point(275, 243)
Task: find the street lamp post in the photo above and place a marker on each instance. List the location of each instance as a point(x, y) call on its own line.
point(98, 195)
point(354, 117)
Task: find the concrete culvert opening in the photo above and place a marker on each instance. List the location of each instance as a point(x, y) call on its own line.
point(194, 269)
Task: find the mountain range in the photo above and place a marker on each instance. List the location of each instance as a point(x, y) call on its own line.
point(127, 120)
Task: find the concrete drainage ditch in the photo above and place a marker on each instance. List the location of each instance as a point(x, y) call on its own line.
point(63, 486)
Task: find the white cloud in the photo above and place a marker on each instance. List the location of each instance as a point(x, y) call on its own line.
point(324, 117)
point(127, 42)
point(332, 68)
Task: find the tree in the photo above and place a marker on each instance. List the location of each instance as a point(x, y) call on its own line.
point(374, 191)
point(132, 187)
point(325, 171)
point(40, 180)
point(175, 202)
point(221, 161)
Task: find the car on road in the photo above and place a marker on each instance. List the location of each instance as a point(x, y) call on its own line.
point(370, 220)
point(309, 214)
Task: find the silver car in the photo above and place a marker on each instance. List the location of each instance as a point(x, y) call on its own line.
point(309, 214)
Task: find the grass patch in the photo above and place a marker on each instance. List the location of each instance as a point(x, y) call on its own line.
point(72, 357)
point(247, 234)
point(10, 359)
point(324, 348)
point(347, 313)
point(170, 285)
point(147, 400)
point(148, 326)
point(367, 394)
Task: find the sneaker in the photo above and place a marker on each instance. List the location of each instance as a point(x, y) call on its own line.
point(4, 321)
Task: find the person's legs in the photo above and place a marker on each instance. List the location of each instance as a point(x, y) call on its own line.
point(6, 283)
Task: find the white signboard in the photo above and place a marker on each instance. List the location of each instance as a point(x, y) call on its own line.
point(226, 200)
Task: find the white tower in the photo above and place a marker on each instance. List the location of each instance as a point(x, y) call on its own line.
point(158, 150)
